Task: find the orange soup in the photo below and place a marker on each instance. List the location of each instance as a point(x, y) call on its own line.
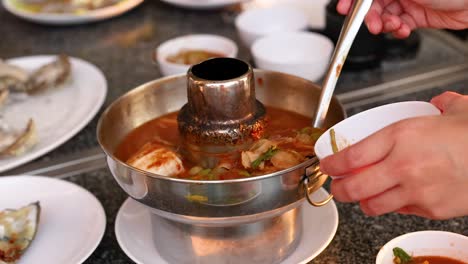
point(156, 147)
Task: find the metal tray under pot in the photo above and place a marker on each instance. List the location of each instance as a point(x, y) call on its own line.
point(231, 213)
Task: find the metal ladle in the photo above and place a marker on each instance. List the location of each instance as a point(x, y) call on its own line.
point(350, 28)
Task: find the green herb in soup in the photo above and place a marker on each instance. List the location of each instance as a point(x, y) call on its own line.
point(156, 147)
point(264, 157)
point(401, 257)
point(333, 141)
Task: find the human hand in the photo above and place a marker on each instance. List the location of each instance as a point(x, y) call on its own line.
point(416, 166)
point(400, 17)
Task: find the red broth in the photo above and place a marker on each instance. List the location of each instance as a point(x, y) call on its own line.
point(435, 260)
point(163, 131)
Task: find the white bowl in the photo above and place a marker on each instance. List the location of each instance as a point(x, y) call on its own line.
point(362, 125)
point(304, 54)
point(210, 43)
point(427, 243)
point(258, 22)
point(315, 10)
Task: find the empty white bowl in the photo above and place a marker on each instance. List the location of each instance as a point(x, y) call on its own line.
point(362, 125)
point(304, 54)
point(427, 243)
point(315, 10)
point(258, 22)
point(209, 43)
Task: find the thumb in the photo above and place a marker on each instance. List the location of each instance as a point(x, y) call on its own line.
point(450, 102)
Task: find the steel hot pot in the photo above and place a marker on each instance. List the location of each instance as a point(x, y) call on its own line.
point(248, 220)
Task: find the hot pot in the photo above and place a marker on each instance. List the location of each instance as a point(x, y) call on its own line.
point(235, 213)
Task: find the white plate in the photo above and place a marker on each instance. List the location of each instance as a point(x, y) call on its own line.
point(72, 19)
point(59, 113)
point(203, 4)
point(315, 10)
point(72, 221)
point(133, 232)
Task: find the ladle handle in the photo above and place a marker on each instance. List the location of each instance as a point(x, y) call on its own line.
point(350, 28)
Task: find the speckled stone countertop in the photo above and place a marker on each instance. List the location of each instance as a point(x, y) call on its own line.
point(121, 48)
point(357, 240)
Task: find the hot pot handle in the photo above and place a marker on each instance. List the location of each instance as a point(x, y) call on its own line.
point(310, 180)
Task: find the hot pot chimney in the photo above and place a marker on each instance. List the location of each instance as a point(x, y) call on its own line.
point(222, 115)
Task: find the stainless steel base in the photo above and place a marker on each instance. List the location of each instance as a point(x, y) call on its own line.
point(266, 241)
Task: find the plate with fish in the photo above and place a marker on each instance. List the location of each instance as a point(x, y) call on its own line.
point(68, 12)
point(46, 220)
point(44, 101)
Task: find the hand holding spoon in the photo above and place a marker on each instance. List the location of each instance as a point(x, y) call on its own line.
point(350, 28)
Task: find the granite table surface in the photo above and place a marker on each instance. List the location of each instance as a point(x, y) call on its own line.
point(121, 48)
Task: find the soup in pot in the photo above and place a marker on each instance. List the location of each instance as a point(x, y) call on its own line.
point(156, 147)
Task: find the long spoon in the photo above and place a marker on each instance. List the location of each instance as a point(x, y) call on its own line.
point(350, 28)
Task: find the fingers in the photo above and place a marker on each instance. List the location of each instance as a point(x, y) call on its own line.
point(418, 211)
point(365, 184)
point(403, 32)
point(359, 155)
point(388, 16)
point(445, 101)
point(390, 22)
point(387, 202)
point(373, 19)
point(407, 23)
point(344, 6)
point(383, 16)
point(400, 25)
point(394, 8)
point(408, 20)
point(412, 210)
point(374, 22)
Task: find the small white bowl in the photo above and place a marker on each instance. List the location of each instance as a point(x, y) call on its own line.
point(258, 22)
point(426, 243)
point(362, 125)
point(304, 54)
point(209, 43)
point(315, 10)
